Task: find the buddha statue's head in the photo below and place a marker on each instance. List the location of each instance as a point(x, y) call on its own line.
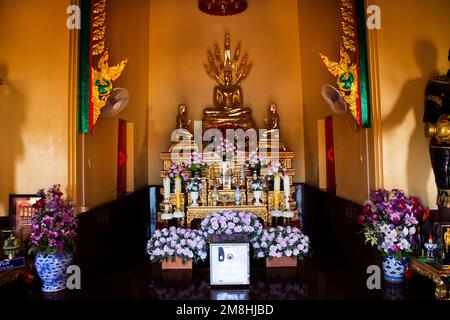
point(181, 109)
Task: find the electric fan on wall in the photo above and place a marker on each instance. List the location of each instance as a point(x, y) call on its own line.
point(334, 99)
point(116, 103)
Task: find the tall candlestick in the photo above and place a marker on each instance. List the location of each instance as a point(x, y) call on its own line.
point(276, 189)
point(286, 186)
point(224, 172)
point(178, 192)
point(178, 201)
point(276, 200)
point(178, 184)
point(166, 184)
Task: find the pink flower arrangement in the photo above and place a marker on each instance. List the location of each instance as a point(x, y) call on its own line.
point(276, 167)
point(177, 170)
point(389, 221)
point(254, 161)
point(281, 242)
point(196, 162)
point(172, 242)
point(232, 222)
point(227, 148)
point(54, 225)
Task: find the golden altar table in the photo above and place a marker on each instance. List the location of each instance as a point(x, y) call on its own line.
point(433, 272)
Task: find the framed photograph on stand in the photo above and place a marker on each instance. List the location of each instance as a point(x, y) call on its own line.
point(20, 212)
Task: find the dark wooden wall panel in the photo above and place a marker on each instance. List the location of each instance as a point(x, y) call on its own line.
point(114, 235)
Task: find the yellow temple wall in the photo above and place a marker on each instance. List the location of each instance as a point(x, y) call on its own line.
point(319, 23)
point(413, 45)
point(127, 37)
point(34, 58)
point(180, 36)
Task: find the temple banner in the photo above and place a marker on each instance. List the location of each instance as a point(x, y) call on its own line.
point(352, 71)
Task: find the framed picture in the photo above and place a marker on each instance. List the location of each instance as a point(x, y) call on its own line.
point(443, 244)
point(20, 211)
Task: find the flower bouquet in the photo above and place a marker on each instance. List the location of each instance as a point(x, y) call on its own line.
point(176, 170)
point(53, 234)
point(389, 221)
point(194, 188)
point(254, 162)
point(258, 186)
point(177, 248)
point(227, 148)
point(281, 246)
point(232, 222)
point(196, 163)
point(274, 168)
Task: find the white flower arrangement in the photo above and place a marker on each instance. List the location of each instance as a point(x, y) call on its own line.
point(195, 186)
point(184, 243)
point(258, 184)
point(281, 242)
point(232, 222)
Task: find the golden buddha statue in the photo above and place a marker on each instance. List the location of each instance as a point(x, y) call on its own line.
point(187, 138)
point(182, 122)
point(447, 242)
point(271, 137)
point(228, 73)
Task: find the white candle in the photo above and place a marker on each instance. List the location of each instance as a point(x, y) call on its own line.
point(178, 184)
point(286, 186)
point(166, 184)
point(276, 183)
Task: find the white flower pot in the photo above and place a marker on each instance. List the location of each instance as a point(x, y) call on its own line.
point(194, 198)
point(257, 195)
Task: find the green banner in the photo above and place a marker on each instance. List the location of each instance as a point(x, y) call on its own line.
point(84, 71)
point(363, 63)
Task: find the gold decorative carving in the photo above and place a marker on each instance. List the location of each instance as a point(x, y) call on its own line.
point(435, 274)
point(102, 82)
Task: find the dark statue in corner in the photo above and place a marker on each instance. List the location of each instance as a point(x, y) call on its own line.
point(437, 120)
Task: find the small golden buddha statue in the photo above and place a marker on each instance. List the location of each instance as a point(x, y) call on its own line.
point(228, 73)
point(447, 242)
point(182, 122)
point(271, 138)
point(273, 122)
point(187, 139)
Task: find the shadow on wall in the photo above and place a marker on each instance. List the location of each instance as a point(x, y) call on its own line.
point(12, 116)
point(412, 98)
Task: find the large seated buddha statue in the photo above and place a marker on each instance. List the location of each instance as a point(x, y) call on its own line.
point(228, 73)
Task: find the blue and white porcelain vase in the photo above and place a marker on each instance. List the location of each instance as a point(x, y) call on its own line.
point(394, 270)
point(52, 269)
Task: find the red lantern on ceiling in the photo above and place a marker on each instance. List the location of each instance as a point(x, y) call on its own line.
point(222, 7)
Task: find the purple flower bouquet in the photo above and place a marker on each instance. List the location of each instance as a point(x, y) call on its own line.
point(389, 221)
point(54, 225)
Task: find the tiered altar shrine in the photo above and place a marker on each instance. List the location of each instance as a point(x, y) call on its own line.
point(227, 181)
